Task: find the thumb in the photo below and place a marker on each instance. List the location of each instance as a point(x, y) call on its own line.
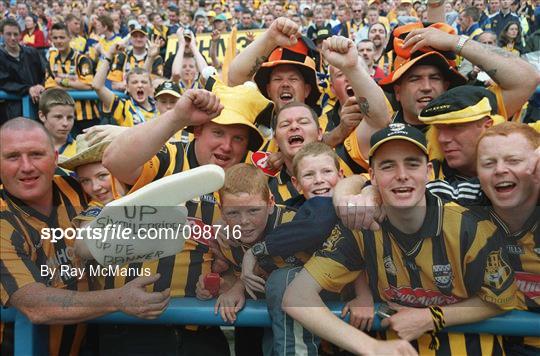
point(146, 280)
point(385, 323)
point(345, 310)
point(293, 39)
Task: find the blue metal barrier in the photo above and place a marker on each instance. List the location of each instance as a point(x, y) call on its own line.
point(75, 94)
point(26, 108)
point(29, 339)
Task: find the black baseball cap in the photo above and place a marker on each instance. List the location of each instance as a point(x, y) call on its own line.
point(168, 87)
point(397, 131)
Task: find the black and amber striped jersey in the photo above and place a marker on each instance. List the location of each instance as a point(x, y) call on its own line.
point(179, 272)
point(235, 254)
point(23, 253)
point(124, 62)
point(127, 112)
point(78, 67)
point(523, 248)
point(456, 254)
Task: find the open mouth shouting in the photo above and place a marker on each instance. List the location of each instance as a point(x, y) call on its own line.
point(286, 97)
point(350, 91)
point(505, 187)
point(296, 140)
point(139, 95)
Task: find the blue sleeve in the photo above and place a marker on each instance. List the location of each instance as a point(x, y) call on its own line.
point(307, 231)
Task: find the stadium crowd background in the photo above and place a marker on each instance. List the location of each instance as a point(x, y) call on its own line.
point(338, 72)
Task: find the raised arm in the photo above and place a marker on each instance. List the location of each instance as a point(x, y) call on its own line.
point(341, 53)
point(195, 107)
point(214, 42)
point(283, 32)
point(176, 70)
point(200, 61)
point(105, 95)
point(517, 78)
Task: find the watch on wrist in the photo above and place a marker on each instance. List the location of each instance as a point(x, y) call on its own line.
point(259, 250)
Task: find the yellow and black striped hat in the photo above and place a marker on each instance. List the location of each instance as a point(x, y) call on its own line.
point(460, 105)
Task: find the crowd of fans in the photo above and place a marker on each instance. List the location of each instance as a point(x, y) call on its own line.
point(375, 151)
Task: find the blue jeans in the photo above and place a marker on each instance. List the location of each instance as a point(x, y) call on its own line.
point(290, 338)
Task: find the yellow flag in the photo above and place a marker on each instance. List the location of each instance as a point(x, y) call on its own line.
point(230, 52)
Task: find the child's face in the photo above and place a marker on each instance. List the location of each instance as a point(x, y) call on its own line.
point(59, 121)
point(317, 176)
point(249, 211)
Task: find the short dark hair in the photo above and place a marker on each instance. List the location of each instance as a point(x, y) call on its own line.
point(472, 12)
point(9, 22)
point(293, 105)
point(60, 26)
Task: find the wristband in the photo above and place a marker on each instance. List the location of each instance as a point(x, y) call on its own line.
point(65, 82)
point(438, 321)
point(462, 40)
point(108, 60)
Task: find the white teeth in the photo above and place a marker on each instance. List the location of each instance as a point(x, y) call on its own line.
point(504, 185)
point(402, 190)
point(286, 96)
point(321, 191)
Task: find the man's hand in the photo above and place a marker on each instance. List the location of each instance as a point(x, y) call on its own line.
point(35, 92)
point(215, 36)
point(361, 211)
point(252, 282)
point(361, 314)
point(154, 47)
point(409, 323)
point(133, 299)
point(350, 114)
point(431, 37)
point(98, 133)
point(180, 36)
point(340, 52)
point(230, 303)
point(283, 32)
point(250, 37)
point(200, 292)
point(114, 49)
point(275, 161)
point(198, 106)
point(393, 348)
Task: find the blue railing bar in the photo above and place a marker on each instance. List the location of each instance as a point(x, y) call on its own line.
point(193, 311)
point(90, 94)
point(197, 312)
point(4, 95)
